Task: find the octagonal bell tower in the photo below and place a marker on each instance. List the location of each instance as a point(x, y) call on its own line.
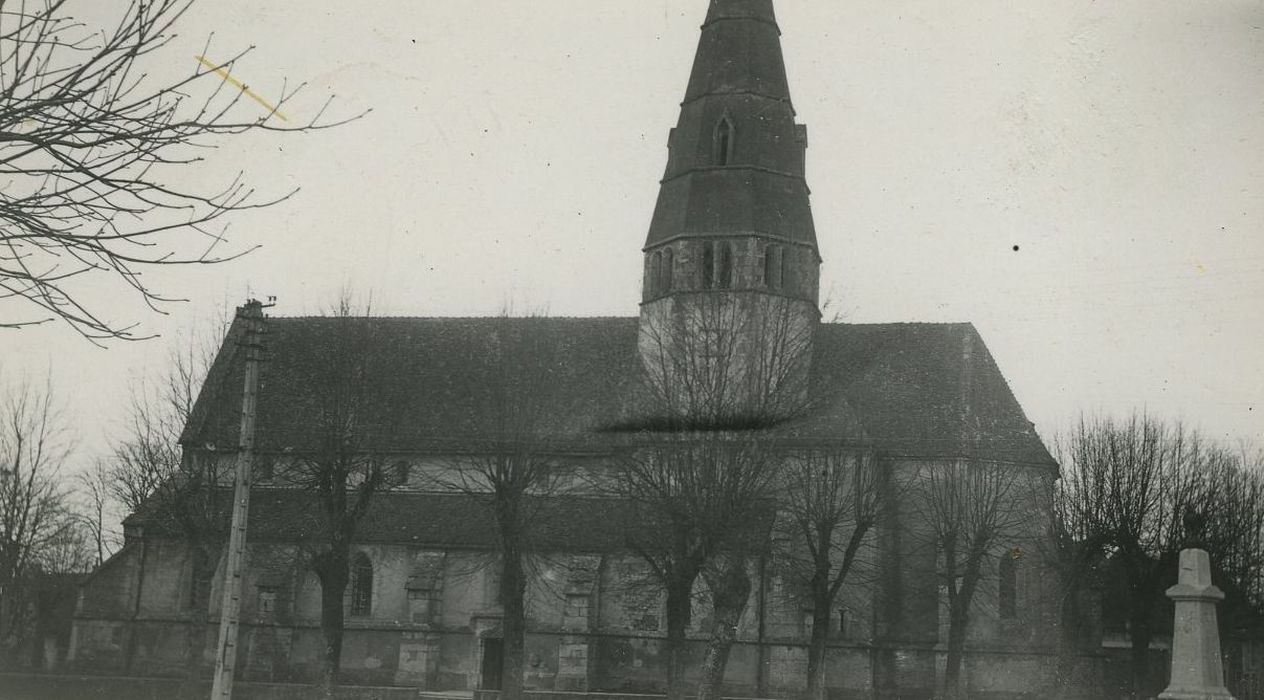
point(729, 300)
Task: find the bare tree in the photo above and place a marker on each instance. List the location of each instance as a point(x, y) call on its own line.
point(720, 372)
point(515, 470)
point(970, 512)
point(34, 445)
point(1138, 491)
point(1072, 554)
point(1230, 506)
point(51, 586)
point(1129, 484)
point(720, 362)
point(341, 462)
point(831, 501)
point(700, 499)
point(95, 487)
point(88, 141)
point(151, 476)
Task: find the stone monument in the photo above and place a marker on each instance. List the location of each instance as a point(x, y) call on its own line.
point(1196, 667)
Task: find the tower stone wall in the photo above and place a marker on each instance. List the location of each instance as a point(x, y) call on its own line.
point(732, 270)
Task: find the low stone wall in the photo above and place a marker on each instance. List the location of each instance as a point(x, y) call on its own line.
point(57, 687)
point(561, 695)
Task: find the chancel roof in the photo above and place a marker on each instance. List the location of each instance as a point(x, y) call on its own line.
point(445, 385)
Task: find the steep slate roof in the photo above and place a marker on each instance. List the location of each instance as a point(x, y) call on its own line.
point(918, 390)
point(914, 390)
point(739, 51)
point(758, 188)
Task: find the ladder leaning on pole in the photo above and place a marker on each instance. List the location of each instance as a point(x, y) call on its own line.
point(251, 316)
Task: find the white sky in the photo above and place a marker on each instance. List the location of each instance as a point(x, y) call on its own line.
point(514, 148)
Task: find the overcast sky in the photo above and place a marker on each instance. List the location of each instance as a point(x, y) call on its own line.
point(513, 152)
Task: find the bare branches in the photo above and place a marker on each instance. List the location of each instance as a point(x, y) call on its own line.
point(34, 444)
point(514, 468)
point(702, 500)
point(724, 362)
point(1137, 491)
point(96, 487)
point(88, 139)
point(972, 513)
point(341, 462)
point(149, 471)
point(831, 500)
point(38, 533)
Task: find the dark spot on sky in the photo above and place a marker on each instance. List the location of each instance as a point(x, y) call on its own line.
point(1015, 249)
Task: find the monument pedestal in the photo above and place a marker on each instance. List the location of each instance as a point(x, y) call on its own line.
point(1197, 673)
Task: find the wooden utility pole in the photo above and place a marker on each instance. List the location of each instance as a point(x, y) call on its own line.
point(251, 316)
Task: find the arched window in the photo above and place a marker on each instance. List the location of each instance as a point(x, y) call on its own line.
point(708, 265)
point(361, 585)
point(656, 274)
point(1007, 600)
point(723, 142)
point(666, 286)
point(772, 267)
point(726, 265)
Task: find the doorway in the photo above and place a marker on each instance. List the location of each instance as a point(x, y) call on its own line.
point(493, 659)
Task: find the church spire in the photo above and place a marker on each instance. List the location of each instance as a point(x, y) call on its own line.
point(735, 166)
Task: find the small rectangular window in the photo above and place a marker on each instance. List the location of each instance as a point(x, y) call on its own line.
point(266, 604)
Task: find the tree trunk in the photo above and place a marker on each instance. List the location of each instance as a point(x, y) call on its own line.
point(1139, 634)
point(332, 568)
point(1073, 631)
point(513, 588)
point(1142, 582)
point(816, 647)
point(730, 591)
point(956, 653)
point(958, 621)
point(679, 615)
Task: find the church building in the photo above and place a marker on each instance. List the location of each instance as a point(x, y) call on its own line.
point(728, 332)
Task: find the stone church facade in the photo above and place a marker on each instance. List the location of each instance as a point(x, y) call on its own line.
point(732, 233)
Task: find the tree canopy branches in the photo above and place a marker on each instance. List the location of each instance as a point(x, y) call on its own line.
point(1135, 492)
point(88, 142)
